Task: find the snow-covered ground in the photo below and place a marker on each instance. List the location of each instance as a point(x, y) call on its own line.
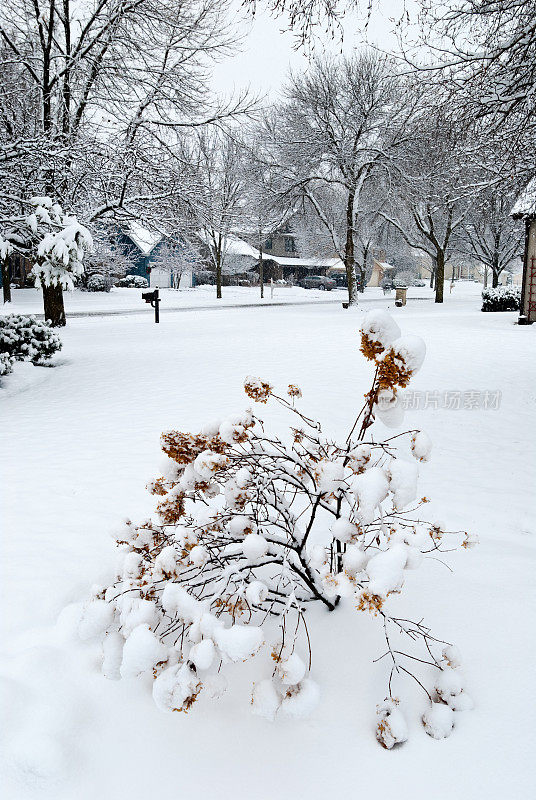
point(79, 443)
point(29, 301)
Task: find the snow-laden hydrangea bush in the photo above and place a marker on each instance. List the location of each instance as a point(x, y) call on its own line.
point(503, 298)
point(24, 338)
point(252, 528)
point(132, 282)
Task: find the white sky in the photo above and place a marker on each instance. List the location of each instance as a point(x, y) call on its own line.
point(268, 52)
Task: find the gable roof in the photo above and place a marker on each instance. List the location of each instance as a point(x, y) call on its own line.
point(525, 205)
point(144, 239)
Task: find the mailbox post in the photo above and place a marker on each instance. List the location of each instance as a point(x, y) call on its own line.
point(154, 300)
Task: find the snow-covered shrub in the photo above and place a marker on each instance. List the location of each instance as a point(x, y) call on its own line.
point(24, 338)
point(97, 283)
point(6, 364)
point(132, 282)
point(252, 528)
point(503, 298)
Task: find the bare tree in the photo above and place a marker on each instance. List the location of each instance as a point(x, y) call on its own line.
point(434, 185)
point(102, 93)
point(490, 236)
point(333, 134)
point(485, 52)
point(215, 169)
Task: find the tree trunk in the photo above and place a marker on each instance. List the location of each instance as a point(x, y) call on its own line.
point(349, 261)
point(6, 281)
point(218, 276)
point(440, 277)
point(261, 273)
point(53, 304)
point(495, 268)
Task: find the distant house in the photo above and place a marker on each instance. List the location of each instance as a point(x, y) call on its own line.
point(143, 247)
point(242, 260)
point(281, 243)
point(525, 209)
point(19, 269)
point(380, 270)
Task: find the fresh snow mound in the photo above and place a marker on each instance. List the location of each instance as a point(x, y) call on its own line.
point(392, 727)
point(354, 559)
point(198, 555)
point(438, 721)
point(239, 642)
point(412, 349)
point(135, 611)
point(371, 487)
point(254, 546)
point(141, 651)
point(390, 408)
point(343, 529)
point(301, 700)
point(97, 616)
point(292, 670)
point(421, 446)
point(380, 327)
point(256, 592)
point(265, 700)
point(174, 686)
point(403, 481)
point(386, 570)
point(449, 683)
point(202, 654)
point(176, 600)
point(112, 652)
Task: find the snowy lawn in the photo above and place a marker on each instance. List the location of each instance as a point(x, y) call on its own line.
point(79, 444)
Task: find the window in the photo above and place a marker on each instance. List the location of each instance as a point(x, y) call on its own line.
point(290, 246)
point(268, 244)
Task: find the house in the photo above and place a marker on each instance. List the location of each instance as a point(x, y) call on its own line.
point(525, 209)
point(153, 256)
point(282, 243)
point(380, 270)
point(19, 267)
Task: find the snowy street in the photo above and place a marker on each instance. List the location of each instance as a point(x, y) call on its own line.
point(80, 441)
point(129, 301)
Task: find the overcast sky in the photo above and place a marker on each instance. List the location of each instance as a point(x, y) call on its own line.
point(268, 50)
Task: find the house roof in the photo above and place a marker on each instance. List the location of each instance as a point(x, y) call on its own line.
point(238, 247)
point(525, 205)
point(142, 237)
point(310, 263)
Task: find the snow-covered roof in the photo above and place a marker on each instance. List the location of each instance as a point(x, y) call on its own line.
point(310, 263)
point(143, 238)
point(238, 247)
point(525, 205)
point(232, 245)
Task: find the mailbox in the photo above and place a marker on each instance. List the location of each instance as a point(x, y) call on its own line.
point(154, 299)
